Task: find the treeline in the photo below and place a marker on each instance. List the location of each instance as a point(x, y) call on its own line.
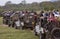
point(33, 6)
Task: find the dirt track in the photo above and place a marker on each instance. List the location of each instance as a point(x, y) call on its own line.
point(3, 25)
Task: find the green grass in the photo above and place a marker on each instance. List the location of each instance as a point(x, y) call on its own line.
point(11, 33)
point(1, 20)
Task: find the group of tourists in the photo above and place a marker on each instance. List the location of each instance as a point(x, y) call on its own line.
point(48, 20)
point(30, 19)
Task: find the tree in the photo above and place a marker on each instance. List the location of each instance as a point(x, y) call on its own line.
point(32, 6)
point(23, 2)
point(8, 2)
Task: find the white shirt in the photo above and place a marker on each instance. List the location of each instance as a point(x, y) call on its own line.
point(39, 29)
point(22, 23)
point(17, 23)
point(56, 14)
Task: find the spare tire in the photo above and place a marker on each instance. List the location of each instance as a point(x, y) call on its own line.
point(56, 32)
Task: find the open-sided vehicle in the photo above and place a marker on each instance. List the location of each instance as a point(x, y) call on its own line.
point(50, 30)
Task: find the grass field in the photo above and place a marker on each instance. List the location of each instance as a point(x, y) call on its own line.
point(11, 33)
point(1, 20)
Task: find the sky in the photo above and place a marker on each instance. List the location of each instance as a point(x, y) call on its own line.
point(2, 2)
